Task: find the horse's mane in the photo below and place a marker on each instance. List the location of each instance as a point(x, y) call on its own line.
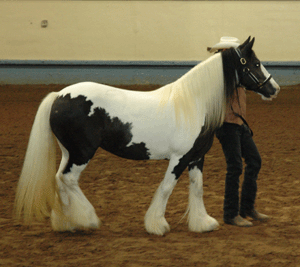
point(200, 91)
point(230, 73)
point(210, 85)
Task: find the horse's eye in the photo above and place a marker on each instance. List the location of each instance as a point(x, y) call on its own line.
point(257, 65)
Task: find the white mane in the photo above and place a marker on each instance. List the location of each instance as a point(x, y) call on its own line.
point(198, 93)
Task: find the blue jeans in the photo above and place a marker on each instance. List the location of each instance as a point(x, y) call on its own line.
point(237, 143)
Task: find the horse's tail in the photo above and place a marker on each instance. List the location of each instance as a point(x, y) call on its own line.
point(36, 188)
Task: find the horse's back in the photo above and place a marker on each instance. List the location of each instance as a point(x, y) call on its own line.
point(116, 101)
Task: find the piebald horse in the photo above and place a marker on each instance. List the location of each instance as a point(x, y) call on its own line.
point(175, 122)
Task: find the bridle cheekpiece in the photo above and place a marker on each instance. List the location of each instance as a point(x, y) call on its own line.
point(248, 72)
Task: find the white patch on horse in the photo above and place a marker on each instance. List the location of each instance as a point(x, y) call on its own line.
point(272, 81)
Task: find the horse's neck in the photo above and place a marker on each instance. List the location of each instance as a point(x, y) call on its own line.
point(199, 94)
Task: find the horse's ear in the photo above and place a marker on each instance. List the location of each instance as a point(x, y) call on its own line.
point(245, 43)
point(247, 50)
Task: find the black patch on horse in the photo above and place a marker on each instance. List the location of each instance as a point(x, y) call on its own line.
point(195, 156)
point(81, 134)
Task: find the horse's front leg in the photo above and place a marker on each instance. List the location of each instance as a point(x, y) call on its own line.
point(155, 221)
point(199, 220)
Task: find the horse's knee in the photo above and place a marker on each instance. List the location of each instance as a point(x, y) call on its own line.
point(166, 188)
point(168, 183)
point(195, 175)
point(196, 182)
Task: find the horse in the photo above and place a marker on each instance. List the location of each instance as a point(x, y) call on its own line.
point(175, 122)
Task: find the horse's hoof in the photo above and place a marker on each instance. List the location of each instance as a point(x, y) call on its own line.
point(206, 224)
point(158, 227)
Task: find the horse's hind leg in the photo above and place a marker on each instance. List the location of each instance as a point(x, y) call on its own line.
point(199, 220)
point(72, 210)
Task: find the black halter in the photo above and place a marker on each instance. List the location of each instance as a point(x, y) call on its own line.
point(248, 72)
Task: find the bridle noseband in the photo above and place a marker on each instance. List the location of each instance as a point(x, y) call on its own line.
point(248, 72)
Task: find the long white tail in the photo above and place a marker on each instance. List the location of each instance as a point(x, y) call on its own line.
point(36, 188)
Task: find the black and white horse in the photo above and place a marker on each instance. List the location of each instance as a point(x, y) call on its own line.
point(176, 122)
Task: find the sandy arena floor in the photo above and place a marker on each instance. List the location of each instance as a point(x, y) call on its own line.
point(121, 191)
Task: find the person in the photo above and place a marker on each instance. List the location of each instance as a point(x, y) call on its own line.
point(236, 139)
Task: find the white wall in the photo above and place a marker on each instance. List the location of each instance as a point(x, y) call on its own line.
point(145, 30)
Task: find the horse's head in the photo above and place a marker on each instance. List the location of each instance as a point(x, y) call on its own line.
point(252, 74)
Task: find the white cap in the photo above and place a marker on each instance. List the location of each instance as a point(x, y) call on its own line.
point(225, 42)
